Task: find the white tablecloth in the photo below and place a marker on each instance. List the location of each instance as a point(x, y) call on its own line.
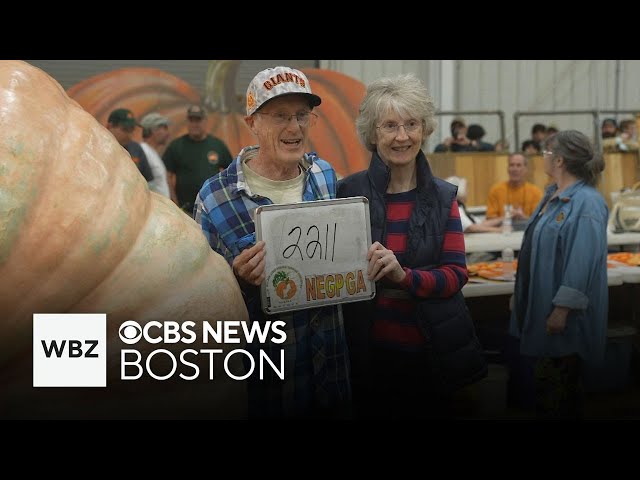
point(495, 242)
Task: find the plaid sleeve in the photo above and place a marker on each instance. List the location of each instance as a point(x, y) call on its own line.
point(325, 181)
point(332, 182)
point(451, 275)
point(210, 232)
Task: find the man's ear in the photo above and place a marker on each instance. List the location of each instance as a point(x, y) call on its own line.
point(250, 121)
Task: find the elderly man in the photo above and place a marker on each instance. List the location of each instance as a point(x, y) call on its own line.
point(277, 170)
point(523, 196)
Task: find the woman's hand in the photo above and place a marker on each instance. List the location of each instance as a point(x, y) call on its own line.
point(383, 263)
point(557, 321)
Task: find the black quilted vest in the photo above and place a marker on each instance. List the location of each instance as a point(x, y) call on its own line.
point(455, 353)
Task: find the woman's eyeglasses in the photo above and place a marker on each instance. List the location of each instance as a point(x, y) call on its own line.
point(391, 128)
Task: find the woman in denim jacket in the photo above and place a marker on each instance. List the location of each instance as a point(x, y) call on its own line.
point(561, 295)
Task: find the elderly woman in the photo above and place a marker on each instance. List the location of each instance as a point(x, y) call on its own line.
point(414, 344)
point(561, 294)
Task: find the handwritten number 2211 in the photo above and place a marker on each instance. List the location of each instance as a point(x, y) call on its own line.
point(313, 243)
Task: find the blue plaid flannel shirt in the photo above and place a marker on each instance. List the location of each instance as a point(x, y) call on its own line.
point(316, 357)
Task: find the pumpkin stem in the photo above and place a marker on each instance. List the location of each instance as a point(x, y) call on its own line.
point(220, 88)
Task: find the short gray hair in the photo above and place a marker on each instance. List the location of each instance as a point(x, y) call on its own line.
point(406, 95)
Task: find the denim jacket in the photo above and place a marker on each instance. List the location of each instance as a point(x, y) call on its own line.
point(568, 269)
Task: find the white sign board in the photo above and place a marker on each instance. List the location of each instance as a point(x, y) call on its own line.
point(316, 253)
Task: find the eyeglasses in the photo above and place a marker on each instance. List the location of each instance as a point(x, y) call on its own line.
point(391, 128)
point(281, 119)
point(547, 152)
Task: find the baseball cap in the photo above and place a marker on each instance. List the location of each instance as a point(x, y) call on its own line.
point(122, 116)
point(152, 120)
point(196, 111)
point(277, 81)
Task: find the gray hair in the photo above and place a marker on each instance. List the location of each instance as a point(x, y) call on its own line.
point(580, 157)
point(406, 95)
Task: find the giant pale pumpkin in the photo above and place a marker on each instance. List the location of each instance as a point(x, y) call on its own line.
point(81, 232)
point(144, 90)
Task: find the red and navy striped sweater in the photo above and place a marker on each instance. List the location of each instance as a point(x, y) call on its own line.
point(394, 324)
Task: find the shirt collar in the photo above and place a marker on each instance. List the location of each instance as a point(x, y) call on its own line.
point(236, 168)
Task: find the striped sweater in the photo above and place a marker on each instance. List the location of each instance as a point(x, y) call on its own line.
point(394, 324)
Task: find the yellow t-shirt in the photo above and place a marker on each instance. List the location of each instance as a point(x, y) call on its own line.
point(279, 191)
point(526, 196)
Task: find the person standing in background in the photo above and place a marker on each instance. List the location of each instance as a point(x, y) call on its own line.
point(551, 130)
point(121, 124)
point(538, 134)
point(155, 132)
point(458, 141)
point(475, 133)
point(560, 302)
point(529, 148)
point(523, 196)
point(414, 345)
point(193, 158)
point(609, 128)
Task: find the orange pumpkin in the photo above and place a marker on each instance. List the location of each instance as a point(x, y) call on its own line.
point(141, 90)
point(227, 120)
point(282, 288)
point(334, 137)
point(81, 232)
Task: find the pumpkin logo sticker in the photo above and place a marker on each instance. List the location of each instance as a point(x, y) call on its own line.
point(285, 287)
point(286, 283)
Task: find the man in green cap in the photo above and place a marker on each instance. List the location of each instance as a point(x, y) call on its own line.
point(121, 124)
point(193, 158)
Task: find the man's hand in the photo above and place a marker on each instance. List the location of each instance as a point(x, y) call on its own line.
point(518, 214)
point(249, 265)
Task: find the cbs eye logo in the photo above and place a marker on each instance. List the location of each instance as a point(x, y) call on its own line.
point(130, 332)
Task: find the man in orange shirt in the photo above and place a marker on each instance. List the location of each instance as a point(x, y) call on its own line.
point(523, 196)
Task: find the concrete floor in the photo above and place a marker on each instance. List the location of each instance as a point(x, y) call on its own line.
point(487, 399)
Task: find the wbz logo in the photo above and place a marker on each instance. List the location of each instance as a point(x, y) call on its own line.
point(75, 348)
point(69, 350)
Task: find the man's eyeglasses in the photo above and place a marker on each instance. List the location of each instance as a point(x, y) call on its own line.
point(547, 152)
point(391, 128)
point(281, 119)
